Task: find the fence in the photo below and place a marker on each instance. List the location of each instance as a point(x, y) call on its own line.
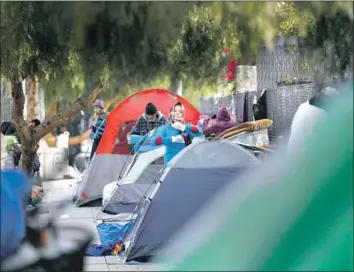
point(282, 103)
point(291, 73)
point(291, 60)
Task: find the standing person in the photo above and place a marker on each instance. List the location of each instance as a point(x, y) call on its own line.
point(99, 126)
point(177, 135)
point(148, 121)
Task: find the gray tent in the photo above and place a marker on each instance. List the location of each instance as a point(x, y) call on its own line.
point(131, 188)
point(103, 169)
point(194, 176)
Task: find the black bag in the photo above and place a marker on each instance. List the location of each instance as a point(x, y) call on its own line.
point(260, 108)
point(187, 138)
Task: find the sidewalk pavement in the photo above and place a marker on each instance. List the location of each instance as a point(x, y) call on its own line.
point(55, 191)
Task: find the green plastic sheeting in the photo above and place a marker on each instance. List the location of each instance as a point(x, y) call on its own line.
point(299, 219)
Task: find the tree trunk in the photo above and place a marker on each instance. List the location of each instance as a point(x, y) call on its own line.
point(32, 98)
point(51, 111)
point(30, 138)
point(23, 131)
point(28, 153)
point(174, 83)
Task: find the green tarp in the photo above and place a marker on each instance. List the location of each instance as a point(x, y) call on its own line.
point(299, 219)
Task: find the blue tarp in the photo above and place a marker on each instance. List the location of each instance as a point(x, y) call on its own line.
point(15, 195)
point(112, 232)
point(144, 143)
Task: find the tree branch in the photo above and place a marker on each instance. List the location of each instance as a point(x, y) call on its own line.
point(18, 103)
point(63, 116)
point(108, 103)
point(51, 111)
point(32, 97)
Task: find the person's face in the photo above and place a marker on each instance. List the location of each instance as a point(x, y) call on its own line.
point(97, 110)
point(62, 129)
point(178, 113)
point(151, 118)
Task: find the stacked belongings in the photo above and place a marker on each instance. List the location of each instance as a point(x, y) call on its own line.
point(189, 181)
point(218, 123)
point(246, 127)
point(252, 133)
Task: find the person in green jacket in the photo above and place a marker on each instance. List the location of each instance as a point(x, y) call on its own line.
point(295, 216)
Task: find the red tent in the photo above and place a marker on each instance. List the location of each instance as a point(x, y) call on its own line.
point(132, 107)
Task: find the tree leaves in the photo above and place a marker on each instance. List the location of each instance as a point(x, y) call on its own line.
point(75, 45)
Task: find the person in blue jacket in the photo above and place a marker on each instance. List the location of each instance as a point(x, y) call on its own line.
point(177, 135)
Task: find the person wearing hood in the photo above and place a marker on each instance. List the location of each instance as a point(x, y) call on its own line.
point(177, 135)
point(224, 120)
point(99, 126)
point(307, 115)
point(149, 120)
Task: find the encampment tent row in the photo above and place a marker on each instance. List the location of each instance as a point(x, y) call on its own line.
point(113, 156)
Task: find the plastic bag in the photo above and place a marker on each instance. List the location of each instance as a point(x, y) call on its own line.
point(63, 140)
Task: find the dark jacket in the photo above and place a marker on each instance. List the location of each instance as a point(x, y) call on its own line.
point(144, 126)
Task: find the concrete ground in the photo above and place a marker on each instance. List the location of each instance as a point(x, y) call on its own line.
point(85, 217)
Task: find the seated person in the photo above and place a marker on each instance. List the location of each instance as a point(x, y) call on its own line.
point(177, 135)
point(151, 119)
point(224, 120)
